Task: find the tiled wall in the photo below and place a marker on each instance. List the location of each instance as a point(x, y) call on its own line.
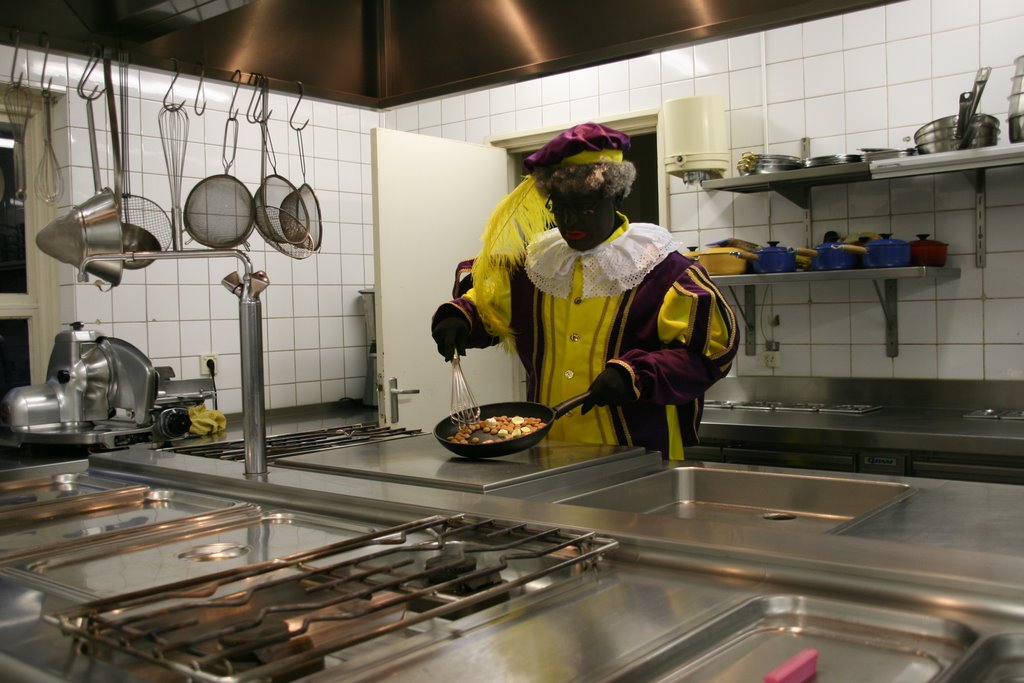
point(861, 80)
point(865, 79)
point(175, 310)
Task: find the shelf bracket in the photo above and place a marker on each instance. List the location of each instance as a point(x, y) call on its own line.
point(892, 330)
point(979, 217)
point(748, 311)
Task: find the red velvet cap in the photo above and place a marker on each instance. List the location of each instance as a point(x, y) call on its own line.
point(586, 137)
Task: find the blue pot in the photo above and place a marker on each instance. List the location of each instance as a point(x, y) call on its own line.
point(774, 259)
point(837, 256)
point(887, 253)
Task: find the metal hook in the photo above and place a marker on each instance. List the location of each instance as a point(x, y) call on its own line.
point(200, 90)
point(44, 40)
point(14, 61)
point(170, 90)
point(94, 59)
point(238, 84)
point(291, 119)
point(259, 83)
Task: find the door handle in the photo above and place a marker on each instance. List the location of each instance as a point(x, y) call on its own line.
point(394, 391)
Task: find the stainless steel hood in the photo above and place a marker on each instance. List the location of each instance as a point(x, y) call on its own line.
point(383, 53)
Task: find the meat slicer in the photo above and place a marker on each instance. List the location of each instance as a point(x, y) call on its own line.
point(99, 391)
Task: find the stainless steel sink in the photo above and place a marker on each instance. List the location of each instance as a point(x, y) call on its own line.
point(801, 502)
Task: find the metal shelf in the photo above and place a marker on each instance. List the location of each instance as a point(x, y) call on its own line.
point(887, 298)
point(796, 185)
point(833, 275)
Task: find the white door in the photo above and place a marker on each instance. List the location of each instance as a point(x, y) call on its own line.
point(431, 200)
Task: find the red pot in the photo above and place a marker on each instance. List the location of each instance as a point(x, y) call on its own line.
point(926, 252)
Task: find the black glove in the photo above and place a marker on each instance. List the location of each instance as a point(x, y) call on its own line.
point(613, 387)
point(451, 334)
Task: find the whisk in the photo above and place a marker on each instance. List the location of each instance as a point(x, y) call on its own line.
point(17, 102)
point(173, 124)
point(464, 409)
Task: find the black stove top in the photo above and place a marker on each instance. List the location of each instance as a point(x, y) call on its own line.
point(795, 406)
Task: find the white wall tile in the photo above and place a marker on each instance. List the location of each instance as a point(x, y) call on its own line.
point(785, 81)
point(955, 51)
point(745, 51)
point(825, 115)
point(822, 36)
point(783, 44)
point(711, 58)
point(644, 71)
point(907, 19)
point(866, 27)
point(676, 65)
point(865, 67)
point(960, 361)
point(823, 74)
point(611, 78)
point(1000, 41)
point(1004, 361)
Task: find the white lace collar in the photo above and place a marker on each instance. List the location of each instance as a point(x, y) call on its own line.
point(609, 269)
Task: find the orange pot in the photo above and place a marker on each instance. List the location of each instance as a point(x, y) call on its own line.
point(725, 260)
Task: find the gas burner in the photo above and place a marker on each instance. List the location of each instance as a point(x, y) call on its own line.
point(992, 414)
point(298, 443)
point(715, 403)
point(801, 407)
point(757, 405)
point(277, 620)
point(849, 408)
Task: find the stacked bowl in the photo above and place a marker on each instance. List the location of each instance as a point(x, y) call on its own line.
point(1015, 118)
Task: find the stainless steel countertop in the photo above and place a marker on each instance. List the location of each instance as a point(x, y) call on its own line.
point(900, 428)
point(420, 460)
point(950, 549)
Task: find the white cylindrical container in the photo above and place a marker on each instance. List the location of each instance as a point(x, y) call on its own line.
point(696, 144)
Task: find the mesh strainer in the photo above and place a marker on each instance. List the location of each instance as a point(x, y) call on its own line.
point(277, 224)
point(219, 211)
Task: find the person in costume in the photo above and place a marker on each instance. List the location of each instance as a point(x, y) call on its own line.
point(592, 302)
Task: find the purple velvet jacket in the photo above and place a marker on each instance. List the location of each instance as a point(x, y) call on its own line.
point(675, 374)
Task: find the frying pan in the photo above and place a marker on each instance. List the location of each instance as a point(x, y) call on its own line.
point(446, 428)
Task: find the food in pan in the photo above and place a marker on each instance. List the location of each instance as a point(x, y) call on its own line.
point(497, 428)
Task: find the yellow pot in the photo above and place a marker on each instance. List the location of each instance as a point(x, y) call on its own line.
point(725, 260)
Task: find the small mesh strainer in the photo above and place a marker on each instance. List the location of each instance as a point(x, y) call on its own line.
point(219, 211)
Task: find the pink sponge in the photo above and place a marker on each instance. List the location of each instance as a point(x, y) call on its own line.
point(799, 668)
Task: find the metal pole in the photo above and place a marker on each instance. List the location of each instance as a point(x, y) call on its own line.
point(250, 318)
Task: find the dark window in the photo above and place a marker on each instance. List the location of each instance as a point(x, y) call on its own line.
point(14, 354)
point(13, 279)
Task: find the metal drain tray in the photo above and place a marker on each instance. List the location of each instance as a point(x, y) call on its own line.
point(21, 496)
point(995, 659)
point(855, 643)
point(103, 517)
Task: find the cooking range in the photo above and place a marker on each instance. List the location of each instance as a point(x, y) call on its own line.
point(782, 406)
point(281, 617)
point(283, 445)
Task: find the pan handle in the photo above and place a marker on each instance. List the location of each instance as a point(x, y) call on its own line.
point(567, 405)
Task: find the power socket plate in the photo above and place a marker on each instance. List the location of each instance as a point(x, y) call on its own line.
point(772, 359)
point(204, 371)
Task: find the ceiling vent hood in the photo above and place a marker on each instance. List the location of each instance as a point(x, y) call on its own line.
point(384, 53)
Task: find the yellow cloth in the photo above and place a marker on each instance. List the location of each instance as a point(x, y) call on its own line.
point(206, 421)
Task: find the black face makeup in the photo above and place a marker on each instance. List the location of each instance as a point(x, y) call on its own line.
point(584, 220)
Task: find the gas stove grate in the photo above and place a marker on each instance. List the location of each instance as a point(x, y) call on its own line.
point(297, 443)
point(279, 618)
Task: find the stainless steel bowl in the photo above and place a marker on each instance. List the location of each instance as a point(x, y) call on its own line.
point(772, 163)
point(940, 135)
point(1016, 127)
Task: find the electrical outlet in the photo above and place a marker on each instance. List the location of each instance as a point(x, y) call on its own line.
point(772, 359)
point(204, 370)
